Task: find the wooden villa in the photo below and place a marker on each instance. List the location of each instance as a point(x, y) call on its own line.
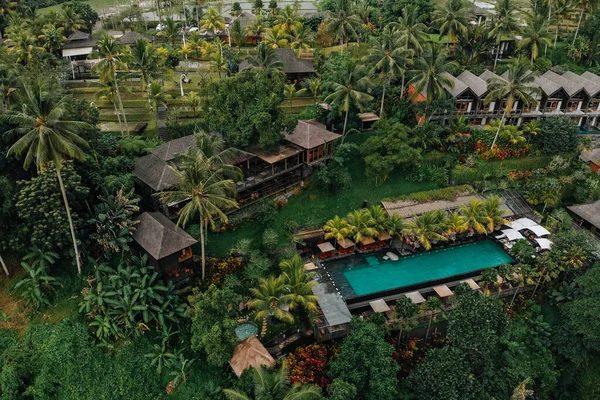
point(315, 140)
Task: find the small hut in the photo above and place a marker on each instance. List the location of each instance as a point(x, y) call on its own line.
point(250, 353)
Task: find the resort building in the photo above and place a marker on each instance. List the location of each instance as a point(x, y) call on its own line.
point(591, 158)
point(266, 174)
point(129, 38)
point(295, 69)
point(576, 96)
point(587, 216)
point(78, 46)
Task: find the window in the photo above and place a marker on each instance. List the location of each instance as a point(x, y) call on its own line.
point(572, 105)
point(462, 107)
point(593, 105)
point(551, 105)
point(316, 154)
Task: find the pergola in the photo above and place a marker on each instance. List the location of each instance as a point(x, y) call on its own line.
point(472, 284)
point(415, 297)
point(379, 306)
point(310, 266)
point(345, 243)
point(443, 291)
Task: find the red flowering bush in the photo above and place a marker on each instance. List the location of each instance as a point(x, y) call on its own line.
point(217, 269)
point(484, 151)
point(308, 364)
point(411, 355)
point(519, 175)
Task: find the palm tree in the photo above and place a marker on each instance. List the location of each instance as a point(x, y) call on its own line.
point(109, 51)
point(337, 229)
point(157, 95)
point(53, 38)
point(586, 5)
point(273, 8)
point(395, 226)
point(452, 19)
point(516, 87)
point(380, 218)
point(301, 37)
point(208, 194)
point(361, 224)
point(212, 21)
point(218, 63)
point(45, 136)
point(146, 60)
point(275, 385)
point(389, 59)
point(269, 300)
point(289, 91)
point(474, 215)
point(170, 31)
point(459, 128)
point(406, 311)
point(238, 35)
point(288, 19)
point(504, 24)
point(314, 86)
point(412, 31)
point(107, 91)
point(348, 92)
point(508, 133)
point(532, 128)
point(535, 36)
point(70, 20)
point(456, 224)
point(266, 58)
point(425, 228)
point(195, 103)
point(562, 10)
point(257, 27)
point(23, 44)
point(196, 42)
point(435, 308)
point(343, 22)
point(429, 72)
point(299, 284)
point(493, 213)
point(276, 37)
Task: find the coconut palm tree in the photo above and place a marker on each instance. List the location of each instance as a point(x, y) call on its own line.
point(516, 87)
point(532, 128)
point(196, 43)
point(266, 58)
point(314, 86)
point(535, 36)
point(300, 39)
point(53, 38)
point(456, 224)
point(562, 10)
point(406, 313)
point(505, 23)
point(110, 62)
point(428, 72)
point(288, 19)
point(412, 31)
point(289, 91)
point(212, 21)
point(348, 92)
point(171, 30)
point(337, 229)
point(493, 213)
point(395, 226)
point(257, 27)
point(435, 308)
point(70, 20)
point(452, 19)
point(237, 33)
point(23, 45)
point(45, 137)
point(276, 37)
point(474, 215)
point(425, 228)
point(459, 128)
point(343, 22)
point(361, 224)
point(380, 217)
point(275, 385)
point(157, 95)
point(144, 58)
point(207, 192)
point(269, 300)
point(586, 5)
point(218, 62)
point(389, 59)
point(195, 103)
point(299, 284)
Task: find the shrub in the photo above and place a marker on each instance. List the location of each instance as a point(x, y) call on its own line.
point(462, 174)
point(308, 365)
point(291, 226)
point(220, 268)
point(447, 193)
point(559, 134)
point(428, 173)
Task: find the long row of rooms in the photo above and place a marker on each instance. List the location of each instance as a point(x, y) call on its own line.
point(577, 96)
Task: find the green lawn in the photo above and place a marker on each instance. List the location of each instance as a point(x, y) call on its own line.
point(95, 4)
point(313, 207)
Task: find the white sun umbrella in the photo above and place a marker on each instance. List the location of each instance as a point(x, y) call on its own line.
point(515, 225)
point(539, 230)
point(512, 234)
point(526, 222)
point(545, 244)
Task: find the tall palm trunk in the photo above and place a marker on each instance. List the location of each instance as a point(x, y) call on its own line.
point(497, 55)
point(202, 248)
point(64, 195)
point(557, 31)
point(578, 24)
point(382, 99)
point(4, 266)
point(402, 88)
point(345, 122)
point(121, 104)
point(118, 113)
point(429, 326)
point(498, 131)
point(538, 282)
point(514, 296)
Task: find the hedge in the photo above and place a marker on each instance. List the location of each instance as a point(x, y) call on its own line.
point(447, 193)
point(496, 169)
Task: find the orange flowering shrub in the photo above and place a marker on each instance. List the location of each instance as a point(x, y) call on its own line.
point(308, 364)
point(217, 269)
point(484, 151)
point(519, 175)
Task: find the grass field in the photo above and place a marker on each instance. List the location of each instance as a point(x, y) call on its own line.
point(313, 207)
point(95, 4)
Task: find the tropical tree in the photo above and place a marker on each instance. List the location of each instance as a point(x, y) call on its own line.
point(270, 300)
point(535, 36)
point(288, 19)
point(145, 60)
point(40, 257)
point(194, 102)
point(257, 7)
point(395, 226)
point(516, 87)
point(289, 91)
point(207, 192)
point(171, 30)
point(70, 20)
point(276, 37)
point(429, 72)
point(314, 86)
point(389, 59)
point(456, 225)
point(493, 213)
point(343, 22)
point(380, 217)
point(348, 92)
point(110, 62)
point(218, 62)
point(34, 287)
point(562, 10)
point(45, 136)
point(237, 33)
point(452, 19)
point(275, 385)
point(434, 308)
point(474, 215)
point(532, 128)
point(337, 229)
point(504, 22)
point(510, 134)
point(196, 43)
point(266, 59)
point(411, 29)
point(459, 129)
point(425, 228)
point(212, 21)
point(405, 320)
point(257, 27)
point(300, 39)
point(157, 95)
point(23, 45)
point(299, 284)
point(586, 5)
point(53, 38)
point(361, 224)
point(273, 8)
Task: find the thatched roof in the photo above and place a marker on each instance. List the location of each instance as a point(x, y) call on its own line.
point(168, 150)
point(159, 236)
point(291, 63)
point(250, 353)
point(588, 212)
point(311, 134)
point(130, 37)
point(78, 39)
point(155, 173)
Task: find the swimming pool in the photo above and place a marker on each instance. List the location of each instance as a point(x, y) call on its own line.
point(372, 274)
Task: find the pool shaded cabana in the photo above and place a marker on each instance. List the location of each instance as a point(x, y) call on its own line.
point(310, 266)
point(544, 244)
point(379, 306)
point(443, 291)
point(415, 297)
point(346, 246)
point(539, 230)
point(472, 284)
point(326, 249)
point(250, 353)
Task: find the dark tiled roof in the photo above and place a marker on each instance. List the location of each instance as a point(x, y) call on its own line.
point(570, 86)
point(588, 212)
point(155, 173)
point(167, 151)
point(459, 87)
point(310, 134)
point(477, 85)
point(159, 236)
point(591, 87)
point(78, 39)
point(130, 38)
point(291, 63)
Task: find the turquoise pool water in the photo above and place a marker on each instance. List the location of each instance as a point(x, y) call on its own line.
point(246, 329)
point(375, 275)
